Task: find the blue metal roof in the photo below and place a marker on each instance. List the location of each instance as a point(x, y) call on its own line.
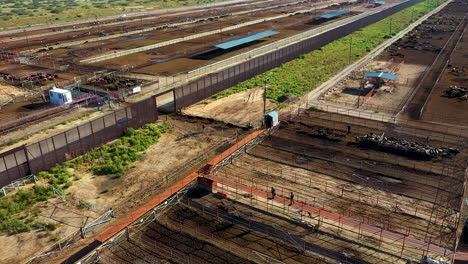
point(334, 14)
point(133, 39)
point(245, 39)
point(383, 75)
point(379, 2)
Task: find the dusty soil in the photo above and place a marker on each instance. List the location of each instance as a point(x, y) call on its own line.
point(440, 108)
point(291, 229)
point(188, 140)
point(452, 23)
point(197, 52)
point(408, 58)
point(239, 109)
point(123, 26)
point(8, 92)
point(230, 242)
point(383, 190)
point(388, 98)
point(174, 58)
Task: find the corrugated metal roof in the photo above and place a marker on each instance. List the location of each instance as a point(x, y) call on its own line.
point(379, 2)
point(334, 14)
point(245, 39)
point(383, 75)
point(127, 40)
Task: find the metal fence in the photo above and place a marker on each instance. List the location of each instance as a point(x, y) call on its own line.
point(213, 83)
point(43, 155)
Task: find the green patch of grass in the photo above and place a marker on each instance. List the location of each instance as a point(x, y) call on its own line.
point(17, 212)
point(306, 73)
point(116, 158)
point(56, 238)
point(50, 226)
point(84, 204)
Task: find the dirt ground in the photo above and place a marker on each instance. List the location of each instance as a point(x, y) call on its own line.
point(188, 140)
point(388, 98)
point(386, 191)
point(8, 92)
point(122, 26)
point(238, 109)
point(454, 111)
point(383, 190)
point(408, 58)
point(173, 59)
point(197, 52)
point(452, 24)
point(185, 229)
point(276, 219)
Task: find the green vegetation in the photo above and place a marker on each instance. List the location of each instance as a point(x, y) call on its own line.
point(116, 158)
point(84, 204)
point(310, 70)
point(19, 212)
point(16, 211)
point(27, 12)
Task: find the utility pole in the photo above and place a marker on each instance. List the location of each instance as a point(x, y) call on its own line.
point(350, 45)
point(391, 19)
point(265, 95)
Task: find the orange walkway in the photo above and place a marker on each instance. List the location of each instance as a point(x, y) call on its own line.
point(123, 223)
point(141, 211)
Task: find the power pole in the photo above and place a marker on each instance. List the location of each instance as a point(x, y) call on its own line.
point(265, 95)
point(391, 19)
point(350, 45)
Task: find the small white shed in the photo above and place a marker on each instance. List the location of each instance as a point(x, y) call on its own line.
point(271, 119)
point(60, 96)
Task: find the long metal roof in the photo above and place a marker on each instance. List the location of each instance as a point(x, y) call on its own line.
point(334, 14)
point(245, 39)
point(383, 75)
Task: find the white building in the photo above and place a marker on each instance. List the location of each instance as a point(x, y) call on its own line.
point(60, 96)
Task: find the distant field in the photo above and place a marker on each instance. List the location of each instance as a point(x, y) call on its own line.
point(15, 13)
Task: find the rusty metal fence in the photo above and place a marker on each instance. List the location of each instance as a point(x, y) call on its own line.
point(43, 155)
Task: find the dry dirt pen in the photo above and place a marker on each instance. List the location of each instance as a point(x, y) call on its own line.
point(41, 44)
point(350, 205)
point(172, 59)
point(35, 39)
point(183, 56)
point(439, 107)
point(190, 143)
point(193, 232)
point(399, 207)
point(409, 57)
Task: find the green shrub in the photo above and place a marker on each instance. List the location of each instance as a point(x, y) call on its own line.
point(16, 211)
point(14, 226)
point(50, 226)
point(56, 238)
point(84, 204)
